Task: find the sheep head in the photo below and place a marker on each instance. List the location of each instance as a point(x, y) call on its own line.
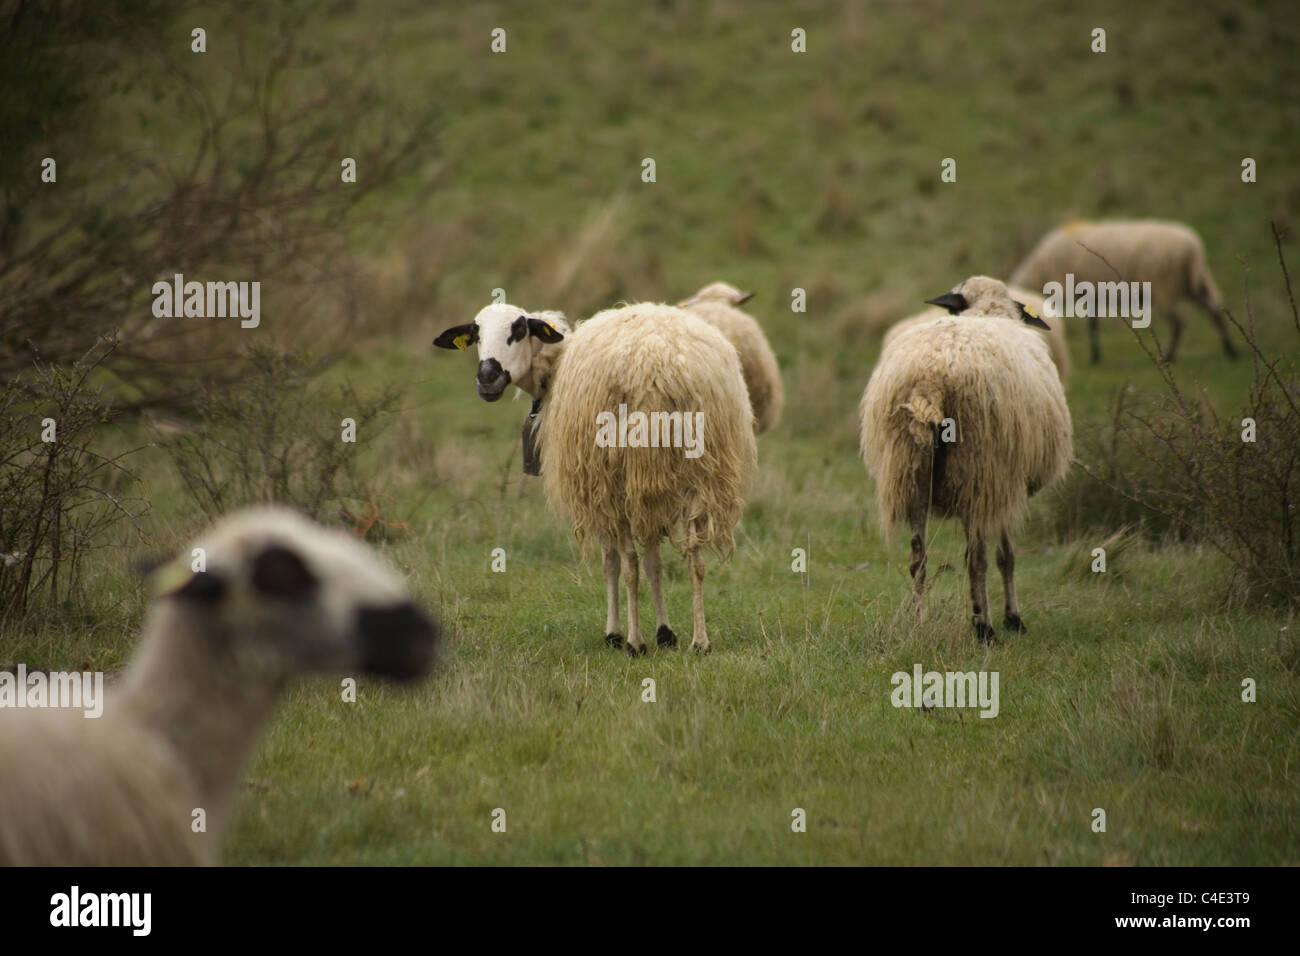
point(512, 347)
point(717, 292)
point(281, 595)
point(981, 295)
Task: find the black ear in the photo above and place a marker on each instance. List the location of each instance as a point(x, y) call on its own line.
point(202, 586)
point(279, 572)
point(544, 331)
point(146, 564)
point(1030, 318)
point(458, 337)
point(954, 302)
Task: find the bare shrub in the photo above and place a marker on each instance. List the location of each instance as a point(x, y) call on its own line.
point(251, 191)
point(1175, 461)
point(278, 438)
point(57, 497)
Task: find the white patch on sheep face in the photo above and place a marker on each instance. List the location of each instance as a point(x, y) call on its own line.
point(498, 340)
point(930, 689)
point(1126, 300)
point(651, 430)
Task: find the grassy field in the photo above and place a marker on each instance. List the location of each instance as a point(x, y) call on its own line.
point(778, 170)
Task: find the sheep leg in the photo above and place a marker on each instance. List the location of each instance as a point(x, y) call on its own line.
point(916, 514)
point(634, 645)
point(1007, 565)
point(612, 636)
point(1175, 333)
point(977, 565)
point(664, 635)
point(1216, 316)
point(700, 637)
point(1094, 340)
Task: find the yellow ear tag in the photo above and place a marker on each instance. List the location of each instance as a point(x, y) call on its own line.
point(461, 341)
point(1031, 312)
point(170, 578)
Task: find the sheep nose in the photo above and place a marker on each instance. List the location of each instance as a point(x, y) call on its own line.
point(397, 641)
point(489, 370)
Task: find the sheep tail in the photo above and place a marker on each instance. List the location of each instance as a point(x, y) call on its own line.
point(924, 408)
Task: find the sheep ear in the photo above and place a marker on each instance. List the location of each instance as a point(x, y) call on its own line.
point(203, 586)
point(742, 298)
point(280, 572)
point(954, 302)
point(544, 331)
point(145, 565)
point(1030, 317)
point(458, 337)
point(175, 579)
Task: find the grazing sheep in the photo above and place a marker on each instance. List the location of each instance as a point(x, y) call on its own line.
point(279, 596)
point(965, 417)
point(1053, 334)
point(648, 360)
point(1169, 255)
point(717, 304)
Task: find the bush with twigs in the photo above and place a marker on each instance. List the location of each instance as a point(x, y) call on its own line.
point(60, 491)
point(1181, 467)
point(279, 438)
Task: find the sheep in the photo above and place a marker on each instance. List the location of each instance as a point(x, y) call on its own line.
point(717, 304)
point(650, 360)
point(277, 596)
point(1053, 332)
point(965, 416)
point(514, 348)
point(1169, 255)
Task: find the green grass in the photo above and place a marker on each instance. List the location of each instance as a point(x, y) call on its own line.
point(1125, 695)
point(775, 171)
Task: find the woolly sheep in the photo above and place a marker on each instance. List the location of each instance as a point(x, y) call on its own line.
point(1169, 255)
point(645, 358)
point(992, 382)
point(279, 596)
point(717, 304)
point(1054, 334)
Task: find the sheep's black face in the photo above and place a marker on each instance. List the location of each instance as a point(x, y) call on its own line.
point(397, 641)
point(491, 380)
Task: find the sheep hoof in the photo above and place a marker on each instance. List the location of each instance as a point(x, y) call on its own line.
point(984, 631)
point(665, 637)
point(701, 648)
point(1012, 622)
point(614, 640)
point(636, 650)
